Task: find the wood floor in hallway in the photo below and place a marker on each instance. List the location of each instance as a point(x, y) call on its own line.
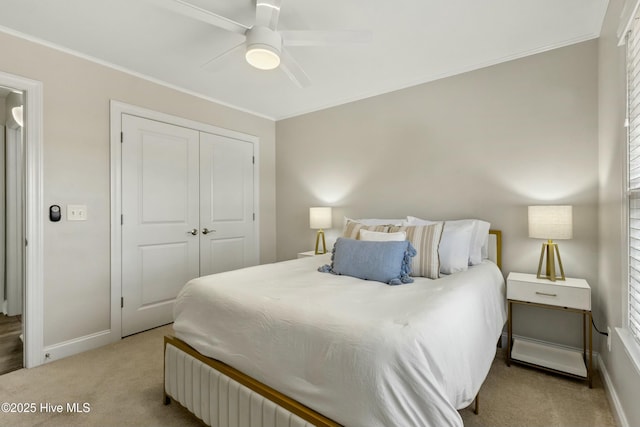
point(10, 343)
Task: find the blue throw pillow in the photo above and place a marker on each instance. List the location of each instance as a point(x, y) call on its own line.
point(387, 262)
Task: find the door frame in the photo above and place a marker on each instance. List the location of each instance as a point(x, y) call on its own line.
point(117, 109)
point(33, 313)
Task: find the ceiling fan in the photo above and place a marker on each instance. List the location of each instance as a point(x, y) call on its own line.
point(264, 44)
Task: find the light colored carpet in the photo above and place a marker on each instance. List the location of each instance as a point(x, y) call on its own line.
point(523, 396)
point(122, 384)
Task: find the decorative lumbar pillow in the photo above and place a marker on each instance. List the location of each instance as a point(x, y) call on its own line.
point(387, 262)
point(377, 236)
point(352, 230)
point(425, 239)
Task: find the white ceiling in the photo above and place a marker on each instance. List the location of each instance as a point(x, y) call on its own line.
point(413, 41)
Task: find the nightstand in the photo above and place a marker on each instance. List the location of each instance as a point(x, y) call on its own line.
point(572, 295)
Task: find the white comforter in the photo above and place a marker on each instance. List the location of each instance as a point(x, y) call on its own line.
point(360, 352)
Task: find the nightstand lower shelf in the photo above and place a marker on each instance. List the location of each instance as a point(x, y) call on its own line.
point(552, 358)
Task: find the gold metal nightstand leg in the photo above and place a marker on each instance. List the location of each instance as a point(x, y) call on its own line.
point(584, 337)
point(509, 321)
point(590, 372)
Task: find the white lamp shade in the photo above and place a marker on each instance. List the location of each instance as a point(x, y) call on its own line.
point(551, 222)
point(320, 217)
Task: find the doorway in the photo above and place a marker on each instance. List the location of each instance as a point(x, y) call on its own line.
point(11, 229)
point(29, 241)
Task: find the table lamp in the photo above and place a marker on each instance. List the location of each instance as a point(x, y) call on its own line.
point(319, 218)
point(550, 222)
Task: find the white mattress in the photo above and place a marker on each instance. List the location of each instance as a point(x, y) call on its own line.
point(359, 352)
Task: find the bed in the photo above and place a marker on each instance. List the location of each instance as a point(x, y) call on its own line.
point(284, 345)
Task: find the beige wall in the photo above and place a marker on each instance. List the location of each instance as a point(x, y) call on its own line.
point(612, 252)
point(76, 171)
point(485, 144)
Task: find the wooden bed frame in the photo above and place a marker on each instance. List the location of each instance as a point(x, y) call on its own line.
point(200, 383)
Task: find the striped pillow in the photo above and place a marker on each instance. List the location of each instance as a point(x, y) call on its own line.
point(352, 230)
point(426, 240)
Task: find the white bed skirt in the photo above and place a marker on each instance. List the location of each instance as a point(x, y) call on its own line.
point(218, 400)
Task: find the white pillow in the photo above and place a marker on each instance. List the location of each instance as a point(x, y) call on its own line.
point(479, 236)
point(479, 239)
point(372, 221)
point(455, 244)
point(376, 236)
point(485, 247)
point(352, 229)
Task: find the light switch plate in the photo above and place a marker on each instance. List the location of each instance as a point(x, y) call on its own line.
point(76, 212)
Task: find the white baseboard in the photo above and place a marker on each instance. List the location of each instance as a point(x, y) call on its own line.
point(616, 406)
point(78, 345)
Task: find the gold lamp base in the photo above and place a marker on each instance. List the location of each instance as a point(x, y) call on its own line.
point(324, 246)
point(551, 251)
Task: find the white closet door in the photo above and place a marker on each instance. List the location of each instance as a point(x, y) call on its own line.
point(227, 219)
point(160, 195)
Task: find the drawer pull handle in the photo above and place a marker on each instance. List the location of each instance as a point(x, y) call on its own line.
point(547, 294)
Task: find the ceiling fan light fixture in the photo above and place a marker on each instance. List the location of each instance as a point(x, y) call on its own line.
point(262, 57)
point(263, 48)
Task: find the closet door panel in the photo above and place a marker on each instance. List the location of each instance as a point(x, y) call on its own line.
point(160, 207)
point(227, 241)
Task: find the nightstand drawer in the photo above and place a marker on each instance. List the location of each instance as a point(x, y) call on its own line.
point(574, 293)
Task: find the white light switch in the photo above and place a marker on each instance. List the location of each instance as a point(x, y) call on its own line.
point(76, 212)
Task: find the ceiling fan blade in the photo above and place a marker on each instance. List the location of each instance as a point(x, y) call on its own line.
point(195, 12)
point(324, 38)
point(268, 13)
point(293, 70)
point(218, 61)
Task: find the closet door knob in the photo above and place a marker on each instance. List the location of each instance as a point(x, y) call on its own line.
point(207, 231)
point(194, 231)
